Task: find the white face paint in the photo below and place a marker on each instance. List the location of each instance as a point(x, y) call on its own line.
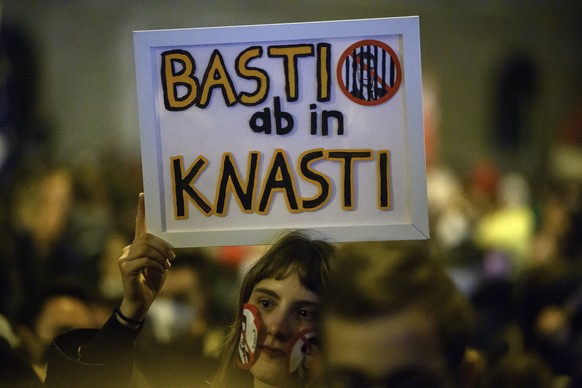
point(302, 353)
point(249, 335)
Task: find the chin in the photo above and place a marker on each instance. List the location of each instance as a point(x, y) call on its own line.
point(271, 371)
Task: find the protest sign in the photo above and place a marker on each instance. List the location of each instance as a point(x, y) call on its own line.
point(250, 131)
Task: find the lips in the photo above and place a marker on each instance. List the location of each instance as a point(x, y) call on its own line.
point(273, 352)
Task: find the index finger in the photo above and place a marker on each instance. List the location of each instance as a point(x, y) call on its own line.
point(140, 218)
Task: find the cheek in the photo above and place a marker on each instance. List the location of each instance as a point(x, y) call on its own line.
point(312, 325)
point(297, 325)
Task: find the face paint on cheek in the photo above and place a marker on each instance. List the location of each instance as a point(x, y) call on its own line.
point(249, 335)
point(304, 348)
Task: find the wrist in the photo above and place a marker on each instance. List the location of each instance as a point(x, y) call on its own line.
point(127, 321)
point(132, 312)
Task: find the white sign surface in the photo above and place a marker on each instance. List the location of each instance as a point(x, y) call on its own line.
point(250, 131)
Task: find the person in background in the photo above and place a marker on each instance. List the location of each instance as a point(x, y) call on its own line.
point(392, 317)
point(171, 349)
point(44, 199)
point(60, 309)
point(15, 371)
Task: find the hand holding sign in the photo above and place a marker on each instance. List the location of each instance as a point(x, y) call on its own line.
point(143, 267)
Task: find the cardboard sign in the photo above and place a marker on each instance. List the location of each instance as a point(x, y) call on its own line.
point(251, 131)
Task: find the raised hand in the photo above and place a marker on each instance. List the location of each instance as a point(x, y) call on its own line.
point(143, 267)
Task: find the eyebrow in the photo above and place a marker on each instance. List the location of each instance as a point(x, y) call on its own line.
point(274, 295)
point(267, 291)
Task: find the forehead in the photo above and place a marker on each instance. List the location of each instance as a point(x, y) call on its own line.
point(382, 346)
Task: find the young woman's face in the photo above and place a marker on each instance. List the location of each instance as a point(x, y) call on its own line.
point(286, 308)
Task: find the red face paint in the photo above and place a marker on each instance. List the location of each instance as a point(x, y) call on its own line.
point(302, 350)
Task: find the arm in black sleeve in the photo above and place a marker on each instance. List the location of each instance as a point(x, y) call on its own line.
point(93, 358)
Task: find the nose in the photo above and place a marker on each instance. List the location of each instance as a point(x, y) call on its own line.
point(278, 326)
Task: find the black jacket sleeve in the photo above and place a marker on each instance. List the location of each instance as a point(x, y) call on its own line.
point(93, 357)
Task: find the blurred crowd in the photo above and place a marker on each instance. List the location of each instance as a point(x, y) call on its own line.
point(516, 253)
point(510, 242)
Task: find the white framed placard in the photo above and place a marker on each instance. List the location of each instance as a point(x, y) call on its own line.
point(251, 131)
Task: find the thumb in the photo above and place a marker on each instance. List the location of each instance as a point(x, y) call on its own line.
point(140, 218)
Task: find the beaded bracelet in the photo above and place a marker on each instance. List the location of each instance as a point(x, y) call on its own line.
point(133, 322)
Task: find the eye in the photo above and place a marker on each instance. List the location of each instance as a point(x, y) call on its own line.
point(307, 314)
point(265, 304)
